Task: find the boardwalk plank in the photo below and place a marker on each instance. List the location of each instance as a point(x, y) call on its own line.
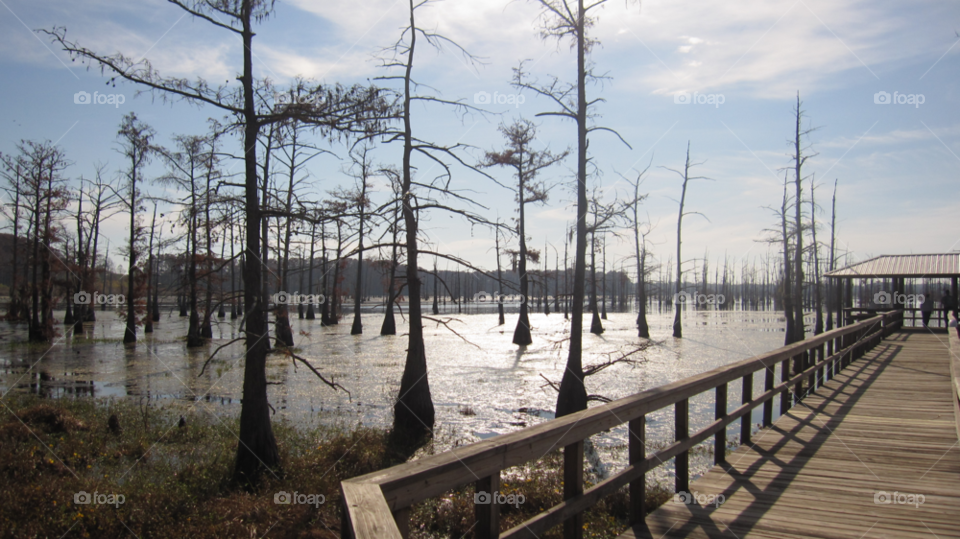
point(886, 423)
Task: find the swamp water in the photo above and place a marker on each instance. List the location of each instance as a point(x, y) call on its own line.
point(482, 384)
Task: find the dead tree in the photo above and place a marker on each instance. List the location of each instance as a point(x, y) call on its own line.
point(44, 198)
point(832, 260)
point(631, 209)
point(136, 140)
point(148, 320)
point(413, 410)
point(817, 290)
point(335, 109)
point(685, 175)
point(185, 167)
point(800, 158)
point(566, 19)
point(12, 170)
point(355, 204)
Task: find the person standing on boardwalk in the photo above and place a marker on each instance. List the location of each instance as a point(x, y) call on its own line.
point(926, 308)
point(949, 304)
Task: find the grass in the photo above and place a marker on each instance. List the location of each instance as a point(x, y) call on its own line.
point(175, 481)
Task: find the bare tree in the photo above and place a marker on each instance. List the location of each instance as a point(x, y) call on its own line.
point(185, 172)
point(360, 203)
point(335, 109)
point(44, 197)
point(817, 290)
point(136, 140)
point(527, 163)
point(685, 175)
point(631, 208)
point(565, 19)
point(13, 170)
point(148, 320)
point(800, 158)
point(832, 259)
point(413, 410)
point(603, 217)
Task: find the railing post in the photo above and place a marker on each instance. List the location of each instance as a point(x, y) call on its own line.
point(767, 386)
point(638, 452)
point(682, 461)
point(720, 440)
point(845, 358)
point(402, 517)
point(745, 421)
point(488, 515)
point(346, 529)
point(798, 364)
point(862, 348)
point(572, 487)
point(784, 376)
point(832, 366)
point(820, 372)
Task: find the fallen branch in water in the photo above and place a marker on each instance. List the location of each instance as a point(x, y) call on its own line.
point(446, 324)
point(335, 386)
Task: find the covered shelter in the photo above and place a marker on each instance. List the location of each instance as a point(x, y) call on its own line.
point(895, 282)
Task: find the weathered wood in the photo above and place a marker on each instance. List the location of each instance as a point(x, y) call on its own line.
point(573, 488)
point(955, 369)
point(401, 486)
point(720, 439)
point(682, 432)
point(887, 423)
point(784, 375)
point(746, 426)
point(768, 381)
point(637, 433)
point(488, 514)
point(402, 518)
point(367, 512)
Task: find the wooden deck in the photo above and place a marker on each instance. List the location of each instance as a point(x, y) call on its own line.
point(885, 424)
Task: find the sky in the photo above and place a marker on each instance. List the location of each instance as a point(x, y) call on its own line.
point(877, 80)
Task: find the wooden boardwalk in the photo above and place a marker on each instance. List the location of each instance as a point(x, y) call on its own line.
point(884, 430)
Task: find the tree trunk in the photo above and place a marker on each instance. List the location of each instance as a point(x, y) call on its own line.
point(572, 396)
point(257, 447)
point(413, 412)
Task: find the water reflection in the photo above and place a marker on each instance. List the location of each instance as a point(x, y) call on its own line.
point(501, 383)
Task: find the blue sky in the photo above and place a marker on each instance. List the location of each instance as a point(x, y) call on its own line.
point(897, 163)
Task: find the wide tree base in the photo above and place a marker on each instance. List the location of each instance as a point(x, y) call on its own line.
point(389, 326)
point(521, 335)
point(596, 326)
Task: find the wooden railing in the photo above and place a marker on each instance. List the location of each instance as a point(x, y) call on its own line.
point(954, 352)
point(377, 505)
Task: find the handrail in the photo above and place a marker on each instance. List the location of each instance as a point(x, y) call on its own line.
point(954, 352)
point(376, 505)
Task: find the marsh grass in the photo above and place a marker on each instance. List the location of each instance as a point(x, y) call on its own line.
point(175, 481)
